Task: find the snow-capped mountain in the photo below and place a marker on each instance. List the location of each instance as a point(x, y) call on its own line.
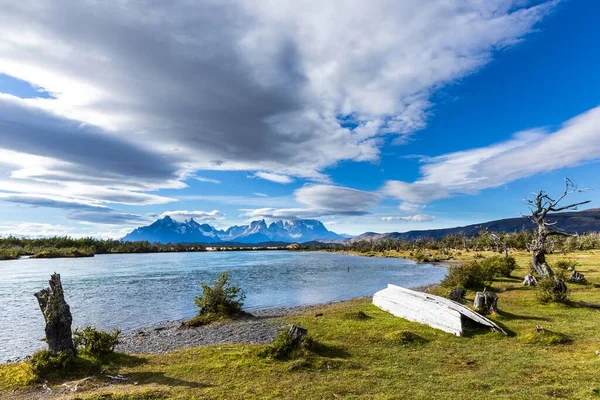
point(167, 230)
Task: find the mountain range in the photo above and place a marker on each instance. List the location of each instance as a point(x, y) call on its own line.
point(167, 230)
point(571, 222)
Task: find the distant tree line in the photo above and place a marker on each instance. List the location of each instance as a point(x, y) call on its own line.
point(13, 247)
point(484, 241)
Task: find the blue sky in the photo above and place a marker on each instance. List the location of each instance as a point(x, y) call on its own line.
point(387, 117)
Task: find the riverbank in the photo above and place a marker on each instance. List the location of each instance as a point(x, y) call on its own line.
point(363, 358)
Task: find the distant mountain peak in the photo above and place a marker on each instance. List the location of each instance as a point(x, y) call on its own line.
point(167, 230)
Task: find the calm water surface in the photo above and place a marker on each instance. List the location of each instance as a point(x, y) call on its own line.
point(129, 291)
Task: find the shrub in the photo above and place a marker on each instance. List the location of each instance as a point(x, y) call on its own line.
point(44, 362)
point(566, 265)
point(95, 343)
point(220, 301)
point(471, 275)
point(551, 290)
point(286, 347)
point(500, 266)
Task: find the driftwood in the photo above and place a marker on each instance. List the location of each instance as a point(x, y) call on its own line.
point(435, 311)
point(57, 315)
point(529, 280)
point(486, 302)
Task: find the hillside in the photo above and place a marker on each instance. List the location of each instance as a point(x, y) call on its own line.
point(572, 222)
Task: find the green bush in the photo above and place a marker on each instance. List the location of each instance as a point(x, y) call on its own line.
point(221, 299)
point(479, 273)
point(286, 347)
point(471, 275)
point(44, 362)
point(95, 343)
point(500, 266)
point(566, 265)
point(549, 290)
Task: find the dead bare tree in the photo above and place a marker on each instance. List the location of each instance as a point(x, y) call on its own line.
point(541, 207)
point(498, 241)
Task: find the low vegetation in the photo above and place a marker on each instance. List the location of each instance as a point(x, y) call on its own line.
point(11, 247)
point(286, 347)
point(95, 343)
point(219, 302)
point(478, 273)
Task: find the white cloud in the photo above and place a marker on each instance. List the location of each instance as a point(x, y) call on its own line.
point(32, 229)
point(273, 177)
point(411, 207)
point(410, 218)
point(297, 213)
point(145, 94)
point(322, 200)
point(207, 180)
point(198, 215)
point(526, 154)
point(260, 194)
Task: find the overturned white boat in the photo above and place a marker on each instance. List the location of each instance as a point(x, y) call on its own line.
point(435, 311)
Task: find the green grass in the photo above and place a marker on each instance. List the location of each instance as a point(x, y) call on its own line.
point(381, 357)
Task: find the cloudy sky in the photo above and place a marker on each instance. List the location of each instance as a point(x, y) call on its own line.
point(369, 115)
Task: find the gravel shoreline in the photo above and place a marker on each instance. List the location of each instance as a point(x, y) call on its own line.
point(258, 328)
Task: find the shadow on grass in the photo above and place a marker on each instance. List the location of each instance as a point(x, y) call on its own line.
point(84, 366)
point(472, 328)
point(512, 288)
point(161, 379)
point(329, 351)
point(582, 304)
point(510, 316)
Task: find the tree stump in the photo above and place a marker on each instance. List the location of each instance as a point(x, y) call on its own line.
point(577, 277)
point(57, 315)
point(529, 280)
point(457, 294)
point(297, 332)
point(486, 302)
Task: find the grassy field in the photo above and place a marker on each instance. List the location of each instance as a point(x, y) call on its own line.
point(373, 359)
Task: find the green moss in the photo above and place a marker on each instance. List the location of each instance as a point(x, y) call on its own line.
point(546, 337)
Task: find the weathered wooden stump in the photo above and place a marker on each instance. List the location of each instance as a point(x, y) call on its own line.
point(457, 294)
point(486, 302)
point(577, 277)
point(529, 280)
point(57, 315)
point(297, 332)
